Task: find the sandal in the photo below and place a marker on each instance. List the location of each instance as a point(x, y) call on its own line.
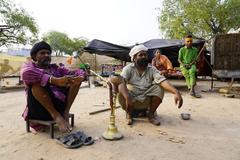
point(152, 117)
point(87, 140)
point(70, 141)
point(195, 95)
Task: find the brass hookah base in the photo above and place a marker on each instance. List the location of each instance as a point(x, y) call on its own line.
point(112, 132)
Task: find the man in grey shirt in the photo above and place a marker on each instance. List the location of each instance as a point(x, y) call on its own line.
point(141, 86)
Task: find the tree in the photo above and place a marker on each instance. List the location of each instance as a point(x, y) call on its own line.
point(61, 43)
point(201, 18)
point(58, 41)
point(78, 44)
point(17, 26)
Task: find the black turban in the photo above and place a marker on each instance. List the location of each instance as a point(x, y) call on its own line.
point(37, 47)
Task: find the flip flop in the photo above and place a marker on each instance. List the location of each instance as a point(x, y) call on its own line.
point(87, 140)
point(195, 95)
point(70, 141)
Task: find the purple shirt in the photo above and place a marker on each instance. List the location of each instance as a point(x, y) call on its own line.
point(32, 74)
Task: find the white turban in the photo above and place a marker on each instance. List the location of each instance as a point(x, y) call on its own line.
point(137, 49)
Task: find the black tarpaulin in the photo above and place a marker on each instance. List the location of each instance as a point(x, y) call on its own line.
point(169, 48)
point(108, 49)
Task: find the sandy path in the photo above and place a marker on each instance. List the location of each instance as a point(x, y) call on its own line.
point(212, 133)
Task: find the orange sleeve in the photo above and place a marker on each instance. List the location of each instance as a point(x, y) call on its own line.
point(169, 64)
point(166, 62)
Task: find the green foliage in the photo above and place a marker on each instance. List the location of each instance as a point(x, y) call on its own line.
point(201, 18)
point(58, 41)
point(61, 43)
point(78, 43)
point(18, 27)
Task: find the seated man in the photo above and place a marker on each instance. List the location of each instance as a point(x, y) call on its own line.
point(6, 69)
point(141, 86)
point(161, 62)
point(50, 89)
point(187, 57)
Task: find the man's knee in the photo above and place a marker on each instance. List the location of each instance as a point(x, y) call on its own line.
point(78, 81)
point(185, 73)
point(116, 80)
point(192, 72)
point(39, 91)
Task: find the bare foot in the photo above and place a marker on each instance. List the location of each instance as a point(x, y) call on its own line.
point(63, 125)
point(66, 116)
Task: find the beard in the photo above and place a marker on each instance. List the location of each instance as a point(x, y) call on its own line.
point(45, 62)
point(142, 63)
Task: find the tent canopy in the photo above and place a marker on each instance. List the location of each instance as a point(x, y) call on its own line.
point(169, 48)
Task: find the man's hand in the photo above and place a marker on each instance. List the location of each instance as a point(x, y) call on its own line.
point(177, 96)
point(187, 66)
point(178, 99)
point(193, 62)
point(60, 81)
point(75, 80)
point(66, 81)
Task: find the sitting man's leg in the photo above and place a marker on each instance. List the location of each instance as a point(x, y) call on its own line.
point(72, 93)
point(127, 101)
point(155, 102)
point(40, 101)
point(156, 93)
point(129, 104)
point(192, 82)
point(186, 75)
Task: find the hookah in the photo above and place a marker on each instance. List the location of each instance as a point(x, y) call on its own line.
point(112, 132)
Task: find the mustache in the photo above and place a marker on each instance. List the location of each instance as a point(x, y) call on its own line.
point(142, 62)
point(46, 61)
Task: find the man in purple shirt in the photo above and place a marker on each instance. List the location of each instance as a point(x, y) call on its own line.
point(51, 89)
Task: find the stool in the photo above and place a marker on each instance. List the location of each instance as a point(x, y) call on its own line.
point(48, 123)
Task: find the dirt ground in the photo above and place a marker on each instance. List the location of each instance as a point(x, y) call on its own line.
point(212, 133)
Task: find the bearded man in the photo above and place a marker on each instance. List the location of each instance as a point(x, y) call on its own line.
point(50, 88)
point(141, 86)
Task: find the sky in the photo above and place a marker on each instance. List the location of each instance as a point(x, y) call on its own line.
point(124, 22)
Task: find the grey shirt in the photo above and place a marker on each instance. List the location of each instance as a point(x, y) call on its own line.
point(137, 84)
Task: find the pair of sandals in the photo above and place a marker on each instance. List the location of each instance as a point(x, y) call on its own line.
point(75, 140)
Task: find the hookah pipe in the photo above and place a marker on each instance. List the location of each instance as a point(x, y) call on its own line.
point(112, 132)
